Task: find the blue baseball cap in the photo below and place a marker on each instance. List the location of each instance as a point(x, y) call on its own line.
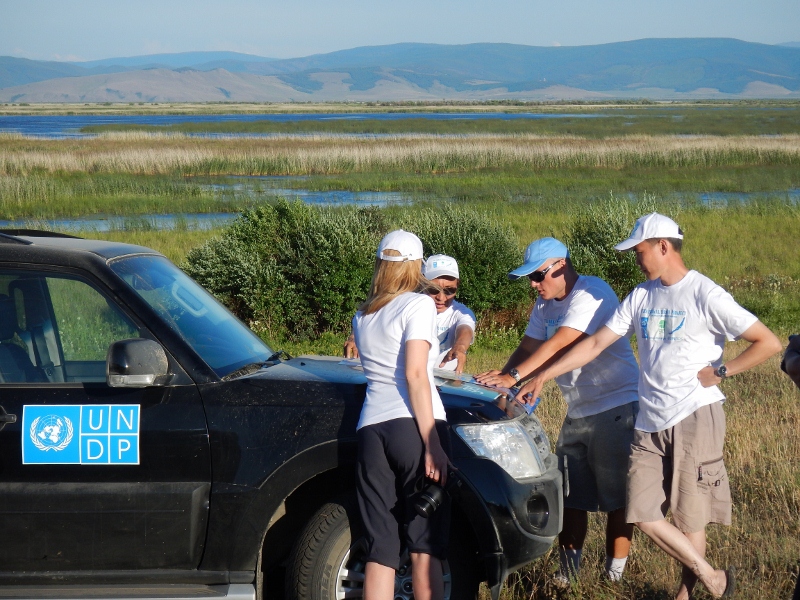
point(538, 252)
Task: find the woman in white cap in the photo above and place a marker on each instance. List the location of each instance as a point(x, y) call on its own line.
point(402, 428)
point(455, 323)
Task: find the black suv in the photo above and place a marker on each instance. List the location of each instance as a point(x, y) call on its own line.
point(153, 447)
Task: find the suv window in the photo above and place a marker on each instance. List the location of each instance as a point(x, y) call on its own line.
point(56, 329)
point(219, 338)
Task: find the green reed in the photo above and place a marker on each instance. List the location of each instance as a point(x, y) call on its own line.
point(593, 122)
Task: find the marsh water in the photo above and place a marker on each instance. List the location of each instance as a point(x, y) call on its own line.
point(267, 189)
point(62, 126)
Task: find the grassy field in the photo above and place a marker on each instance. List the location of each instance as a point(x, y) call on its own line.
point(138, 173)
point(584, 122)
point(533, 181)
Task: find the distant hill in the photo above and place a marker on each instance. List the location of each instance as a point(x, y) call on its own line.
point(651, 68)
point(175, 61)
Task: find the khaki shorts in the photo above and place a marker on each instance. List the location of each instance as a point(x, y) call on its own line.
point(597, 449)
point(681, 469)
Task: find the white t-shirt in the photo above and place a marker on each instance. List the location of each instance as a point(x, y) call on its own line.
point(681, 329)
point(609, 380)
point(381, 341)
point(446, 324)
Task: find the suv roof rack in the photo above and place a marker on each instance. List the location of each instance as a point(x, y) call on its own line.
point(36, 233)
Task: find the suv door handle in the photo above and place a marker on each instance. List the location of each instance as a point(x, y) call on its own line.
point(8, 418)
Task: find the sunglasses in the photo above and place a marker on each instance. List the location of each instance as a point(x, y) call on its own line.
point(538, 276)
point(447, 291)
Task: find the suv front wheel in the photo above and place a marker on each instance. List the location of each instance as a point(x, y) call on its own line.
point(326, 564)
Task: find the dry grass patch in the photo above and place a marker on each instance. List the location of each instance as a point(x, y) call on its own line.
point(296, 155)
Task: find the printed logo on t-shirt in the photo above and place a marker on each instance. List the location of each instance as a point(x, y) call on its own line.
point(551, 326)
point(663, 324)
point(443, 334)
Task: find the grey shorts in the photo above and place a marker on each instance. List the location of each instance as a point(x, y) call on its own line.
point(681, 469)
point(597, 449)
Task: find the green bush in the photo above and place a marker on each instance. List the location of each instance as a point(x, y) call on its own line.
point(290, 270)
point(295, 272)
point(595, 229)
point(485, 252)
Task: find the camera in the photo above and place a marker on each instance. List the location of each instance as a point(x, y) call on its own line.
point(430, 494)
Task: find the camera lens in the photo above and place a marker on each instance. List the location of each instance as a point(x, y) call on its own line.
point(428, 500)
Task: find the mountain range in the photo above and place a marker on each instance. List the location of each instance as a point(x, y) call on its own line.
point(648, 68)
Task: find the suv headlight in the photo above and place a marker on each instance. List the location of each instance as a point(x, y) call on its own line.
point(507, 444)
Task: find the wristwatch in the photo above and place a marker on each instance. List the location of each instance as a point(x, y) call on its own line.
point(515, 374)
point(721, 372)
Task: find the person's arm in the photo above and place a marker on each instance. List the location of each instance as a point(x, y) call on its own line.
point(464, 335)
point(350, 349)
point(791, 359)
point(546, 352)
point(526, 348)
point(763, 344)
point(419, 391)
point(578, 355)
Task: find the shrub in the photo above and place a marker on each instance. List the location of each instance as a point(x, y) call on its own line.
point(594, 231)
point(296, 272)
point(290, 270)
point(485, 251)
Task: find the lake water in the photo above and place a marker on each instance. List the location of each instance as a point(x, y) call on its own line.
point(254, 188)
point(267, 188)
point(61, 126)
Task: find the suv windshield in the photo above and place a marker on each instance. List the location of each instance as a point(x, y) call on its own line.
point(221, 340)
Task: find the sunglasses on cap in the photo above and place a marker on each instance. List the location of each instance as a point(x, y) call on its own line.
point(435, 290)
point(538, 276)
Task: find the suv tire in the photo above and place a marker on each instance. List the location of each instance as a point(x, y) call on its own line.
point(326, 564)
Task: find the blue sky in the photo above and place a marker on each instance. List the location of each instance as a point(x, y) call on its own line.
point(95, 29)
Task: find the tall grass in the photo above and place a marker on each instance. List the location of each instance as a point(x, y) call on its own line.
point(162, 155)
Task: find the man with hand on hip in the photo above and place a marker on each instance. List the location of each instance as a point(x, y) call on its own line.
point(602, 402)
point(681, 320)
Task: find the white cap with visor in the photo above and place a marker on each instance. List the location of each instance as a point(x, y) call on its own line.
point(440, 265)
point(406, 243)
point(648, 227)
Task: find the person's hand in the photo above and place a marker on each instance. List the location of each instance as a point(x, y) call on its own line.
point(458, 355)
point(707, 377)
point(531, 390)
point(436, 462)
point(350, 350)
point(496, 378)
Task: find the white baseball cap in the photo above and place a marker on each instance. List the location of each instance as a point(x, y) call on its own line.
point(440, 265)
point(406, 243)
point(648, 227)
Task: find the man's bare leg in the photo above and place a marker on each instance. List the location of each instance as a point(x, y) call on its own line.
point(679, 546)
point(618, 541)
point(618, 534)
point(689, 579)
point(570, 540)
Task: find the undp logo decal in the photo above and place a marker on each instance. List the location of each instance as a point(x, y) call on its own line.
point(51, 432)
point(80, 435)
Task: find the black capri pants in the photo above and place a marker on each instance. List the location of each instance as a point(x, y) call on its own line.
point(390, 463)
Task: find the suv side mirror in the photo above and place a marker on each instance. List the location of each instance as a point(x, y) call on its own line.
point(136, 363)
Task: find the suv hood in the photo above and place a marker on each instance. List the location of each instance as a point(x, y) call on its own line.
point(458, 392)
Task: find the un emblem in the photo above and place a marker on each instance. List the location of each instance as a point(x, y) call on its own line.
point(51, 432)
